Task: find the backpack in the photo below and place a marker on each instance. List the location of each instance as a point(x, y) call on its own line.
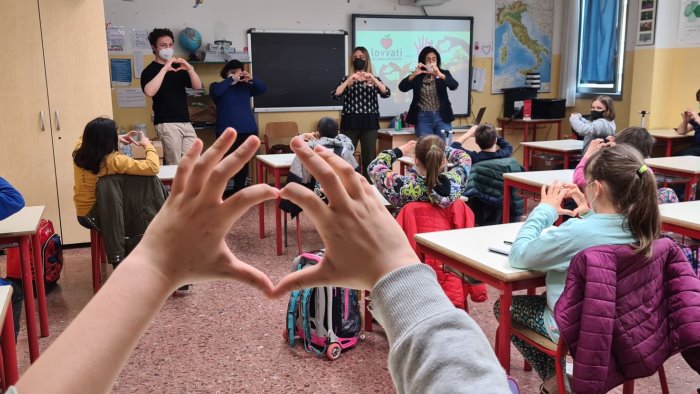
point(51, 255)
point(326, 319)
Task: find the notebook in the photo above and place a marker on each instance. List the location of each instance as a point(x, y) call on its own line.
point(501, 248)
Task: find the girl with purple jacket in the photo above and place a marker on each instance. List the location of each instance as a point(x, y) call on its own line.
point(617, 206)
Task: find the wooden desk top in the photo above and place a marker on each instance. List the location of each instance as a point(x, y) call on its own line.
point(683, 214)
point(470, 247)
point(669, 134)
point(407, 160)
point(687, 164)
point(283, 160)
point(512, 120)
point(556, 145)
point(539, 178)
point(5, 299)
point(167, 173)
point(22, 223)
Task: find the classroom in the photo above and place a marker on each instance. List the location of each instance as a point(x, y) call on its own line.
point(488, 125)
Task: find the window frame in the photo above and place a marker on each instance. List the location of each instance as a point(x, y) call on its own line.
point(615, 90)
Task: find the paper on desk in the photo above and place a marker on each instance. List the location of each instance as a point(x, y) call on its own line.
point(130, 98)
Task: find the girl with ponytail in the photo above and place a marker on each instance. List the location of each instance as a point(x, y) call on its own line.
point(618, 206)
point(439, 176)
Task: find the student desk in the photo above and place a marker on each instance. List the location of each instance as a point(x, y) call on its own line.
point(680, 166)
point(530, 181)
point(466, 250)
point(9, 351)
point(560, 147)
point(21, 228)
point(167, 174)
point(527, 124)
point(668, 136)
point(279, 165)
point(681, 218)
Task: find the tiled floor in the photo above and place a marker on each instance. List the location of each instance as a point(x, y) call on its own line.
point(224, 337)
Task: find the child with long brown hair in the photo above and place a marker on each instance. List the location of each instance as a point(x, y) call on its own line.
point(617, 206)
point(429, 180)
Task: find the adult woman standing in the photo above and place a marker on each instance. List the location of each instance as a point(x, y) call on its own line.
point(431, 110)
point(360, 116)
point(690, 122)
point(232, 99)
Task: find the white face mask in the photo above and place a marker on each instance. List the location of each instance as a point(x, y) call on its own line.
point(166, 53)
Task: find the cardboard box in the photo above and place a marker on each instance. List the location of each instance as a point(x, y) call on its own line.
point(137, 152)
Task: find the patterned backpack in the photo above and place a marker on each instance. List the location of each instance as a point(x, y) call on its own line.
point(51, 255)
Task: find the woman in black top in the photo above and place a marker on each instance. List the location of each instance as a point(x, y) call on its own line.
point(431, 110)
point(360, 117)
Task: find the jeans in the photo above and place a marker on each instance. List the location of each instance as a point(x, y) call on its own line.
point(430, 122)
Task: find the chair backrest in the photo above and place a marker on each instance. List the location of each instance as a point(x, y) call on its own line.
point(279, 133)
point(424, 217)
point(627, 313)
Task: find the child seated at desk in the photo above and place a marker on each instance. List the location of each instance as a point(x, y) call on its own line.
point(617, 206)
point(11, 202)
point(600, 125)
point(429, 180)
point(637, 137)
point(491, 144)
point(327, 135)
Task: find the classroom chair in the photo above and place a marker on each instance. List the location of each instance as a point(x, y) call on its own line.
point(280, 133)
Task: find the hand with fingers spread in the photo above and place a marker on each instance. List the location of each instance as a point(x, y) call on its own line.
point(201, 253)
point(356, 262)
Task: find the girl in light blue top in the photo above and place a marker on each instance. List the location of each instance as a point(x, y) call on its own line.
point(621, 194)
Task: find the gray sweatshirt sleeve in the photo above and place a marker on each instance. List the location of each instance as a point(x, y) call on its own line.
point(433, 347)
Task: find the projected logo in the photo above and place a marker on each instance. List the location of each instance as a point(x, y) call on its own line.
point(386, 41)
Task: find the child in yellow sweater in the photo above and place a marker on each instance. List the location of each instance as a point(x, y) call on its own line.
point(96, 154)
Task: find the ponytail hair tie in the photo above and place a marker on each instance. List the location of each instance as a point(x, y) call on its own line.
point(642, 169)
point(433, 146)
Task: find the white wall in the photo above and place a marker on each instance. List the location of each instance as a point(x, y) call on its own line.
point(225, 19)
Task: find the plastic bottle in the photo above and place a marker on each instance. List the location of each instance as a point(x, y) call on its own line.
point(397, 123)
point(448, 137)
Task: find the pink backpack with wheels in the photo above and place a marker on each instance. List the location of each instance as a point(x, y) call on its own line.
point(326, 320)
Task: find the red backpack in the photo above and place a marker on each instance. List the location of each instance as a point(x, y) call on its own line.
point(51, 255)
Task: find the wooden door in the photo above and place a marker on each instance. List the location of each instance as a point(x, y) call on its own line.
point(77, 74)
point(26, 154)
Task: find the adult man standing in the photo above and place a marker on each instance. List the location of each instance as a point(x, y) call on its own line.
point(165, 80)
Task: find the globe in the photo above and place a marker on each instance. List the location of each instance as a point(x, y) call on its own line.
point(190, 39)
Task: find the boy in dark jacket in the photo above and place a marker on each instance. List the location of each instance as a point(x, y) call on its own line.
point(491, 144)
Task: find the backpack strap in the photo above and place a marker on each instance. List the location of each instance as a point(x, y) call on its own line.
point(292, 314)
point(308, 345)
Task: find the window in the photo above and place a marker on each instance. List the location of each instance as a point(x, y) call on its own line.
point(601, 52)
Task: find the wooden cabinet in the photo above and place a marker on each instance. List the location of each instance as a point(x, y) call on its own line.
point(55, 78)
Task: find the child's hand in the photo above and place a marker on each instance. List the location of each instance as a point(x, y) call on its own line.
point(309, 136)
point(579, 198)
point(408, 148)
point(554, 195)
point(353, 208)
point(596, 145)
point(185, 242)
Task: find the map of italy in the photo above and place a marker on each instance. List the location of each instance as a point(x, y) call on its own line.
point(512, 14)
point(523, 42)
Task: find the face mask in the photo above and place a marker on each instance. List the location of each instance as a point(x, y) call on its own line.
point(359, 64)
point(166, 53)
point(596, 115)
